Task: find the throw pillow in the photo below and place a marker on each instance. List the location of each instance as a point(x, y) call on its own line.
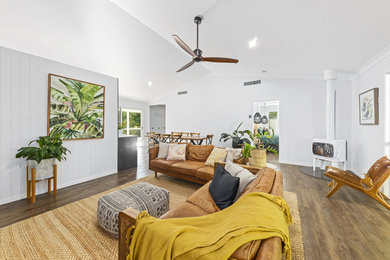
point(245, 176)
point(163, 150)
point(177, 152)
point(223, 187)
point(233, 153)
point(217, 155)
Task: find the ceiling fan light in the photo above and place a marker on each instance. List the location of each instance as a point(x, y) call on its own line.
point(257, 118)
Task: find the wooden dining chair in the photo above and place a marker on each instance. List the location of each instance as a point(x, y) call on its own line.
point(164, 138)
point(369, 185)
point(175, 138)
point(195, 134)
point(209, 139)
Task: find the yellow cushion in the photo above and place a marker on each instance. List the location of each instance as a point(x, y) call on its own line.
point(217, 155)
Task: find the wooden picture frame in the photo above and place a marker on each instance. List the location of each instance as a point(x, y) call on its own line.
point(369, 107)
point(69, 115)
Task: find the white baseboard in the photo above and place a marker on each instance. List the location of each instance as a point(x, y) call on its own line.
point(62, 185)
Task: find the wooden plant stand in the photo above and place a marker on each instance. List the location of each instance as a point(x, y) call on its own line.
point(31, 183)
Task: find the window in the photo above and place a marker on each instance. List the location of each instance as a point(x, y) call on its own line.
point(131, 122)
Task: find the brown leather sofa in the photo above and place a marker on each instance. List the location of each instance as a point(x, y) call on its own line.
point(192, 169)
point(201, 203)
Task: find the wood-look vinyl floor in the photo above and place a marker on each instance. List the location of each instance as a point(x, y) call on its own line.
point(349, 225)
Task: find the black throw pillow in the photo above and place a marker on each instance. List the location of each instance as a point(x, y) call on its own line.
point(223, 187)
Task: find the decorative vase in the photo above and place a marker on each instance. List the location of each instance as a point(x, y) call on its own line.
point(43, 170)
point(258, 158)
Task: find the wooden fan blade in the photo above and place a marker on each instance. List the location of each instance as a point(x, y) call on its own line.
point(183, 45)
point(186, 66)
point(218, 59)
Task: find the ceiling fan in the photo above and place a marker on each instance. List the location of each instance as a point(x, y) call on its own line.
point(197, 53)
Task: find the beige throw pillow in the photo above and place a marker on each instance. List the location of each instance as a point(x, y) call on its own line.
point(177, 152)
point(233, 153)
point(245, 176)
point(217, 155)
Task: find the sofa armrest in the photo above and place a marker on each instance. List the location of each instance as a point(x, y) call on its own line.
point(252, 169)
point(127, 219)
point(153, 152)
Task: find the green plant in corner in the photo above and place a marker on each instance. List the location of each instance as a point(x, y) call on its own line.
point(48, 147)
point(258, 143)
point(237, 137)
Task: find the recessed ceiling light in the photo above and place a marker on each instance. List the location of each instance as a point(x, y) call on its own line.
point(264, 71)
point(150, 83)
point(253, 42)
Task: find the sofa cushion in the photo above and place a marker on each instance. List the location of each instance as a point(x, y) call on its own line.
point(185, 209)
point(202, 199)
point(162, 163)
point(199, 153)
point(205, 173)
point(177, 152)
point(186, 167)
point(163, 150)
point(263, 183)
point(223, 187)
point(216, 155)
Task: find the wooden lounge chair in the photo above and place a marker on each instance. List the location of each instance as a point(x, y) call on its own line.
point(370, 184)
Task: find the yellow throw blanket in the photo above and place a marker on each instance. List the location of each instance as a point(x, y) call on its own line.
point(255, 216)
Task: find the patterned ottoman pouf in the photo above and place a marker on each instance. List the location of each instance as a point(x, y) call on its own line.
point(140, 196)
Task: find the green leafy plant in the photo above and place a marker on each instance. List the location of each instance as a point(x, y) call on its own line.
point(237, 137)
point(48, 147)
point(122, 125)
point(76, 109)
point(258, 143)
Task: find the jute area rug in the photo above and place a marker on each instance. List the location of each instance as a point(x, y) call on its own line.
point(72, 232)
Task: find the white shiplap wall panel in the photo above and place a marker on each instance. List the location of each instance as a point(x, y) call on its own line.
point(23, 117)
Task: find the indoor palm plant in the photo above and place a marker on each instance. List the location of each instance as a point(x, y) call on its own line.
point(257, 153)
point(237, 137)
point(42, 156)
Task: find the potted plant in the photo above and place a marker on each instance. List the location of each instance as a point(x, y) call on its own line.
point(257, 153)
point(121, 126)
point(237, 137)
point(42, 156)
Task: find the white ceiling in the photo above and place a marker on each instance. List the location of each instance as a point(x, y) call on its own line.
point(297, 38)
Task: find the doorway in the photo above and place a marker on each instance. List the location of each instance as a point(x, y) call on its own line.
point(266, 123)
point(157, 119)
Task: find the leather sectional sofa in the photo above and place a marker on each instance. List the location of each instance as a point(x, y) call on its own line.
point(201, 203)
point(192, 169)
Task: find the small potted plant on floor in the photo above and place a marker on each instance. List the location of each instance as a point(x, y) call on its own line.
point(257, 153)
point(42, 157)
point(237, 137)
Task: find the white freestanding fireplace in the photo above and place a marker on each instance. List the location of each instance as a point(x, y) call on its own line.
point(330, 149)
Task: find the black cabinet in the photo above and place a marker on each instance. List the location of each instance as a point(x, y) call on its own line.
point(127, 152)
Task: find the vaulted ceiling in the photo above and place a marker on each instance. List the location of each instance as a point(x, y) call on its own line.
point(131, 39)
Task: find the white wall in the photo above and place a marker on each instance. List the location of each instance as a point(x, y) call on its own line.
point(368, 141)
point(138, 105)
point(217, 103)
point(23, 117)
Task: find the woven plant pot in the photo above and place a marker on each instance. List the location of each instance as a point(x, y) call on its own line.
point(258, 158)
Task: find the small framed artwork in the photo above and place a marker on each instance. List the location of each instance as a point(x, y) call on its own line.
point(75, 109)
point(368, 107)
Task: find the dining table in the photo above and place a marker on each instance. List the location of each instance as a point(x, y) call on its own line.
point(196, 140)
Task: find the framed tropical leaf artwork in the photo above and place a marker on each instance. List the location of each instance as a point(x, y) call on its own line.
point(75, 108)
point(368, 107)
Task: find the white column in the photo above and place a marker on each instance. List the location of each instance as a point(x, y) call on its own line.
point(330, 76)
